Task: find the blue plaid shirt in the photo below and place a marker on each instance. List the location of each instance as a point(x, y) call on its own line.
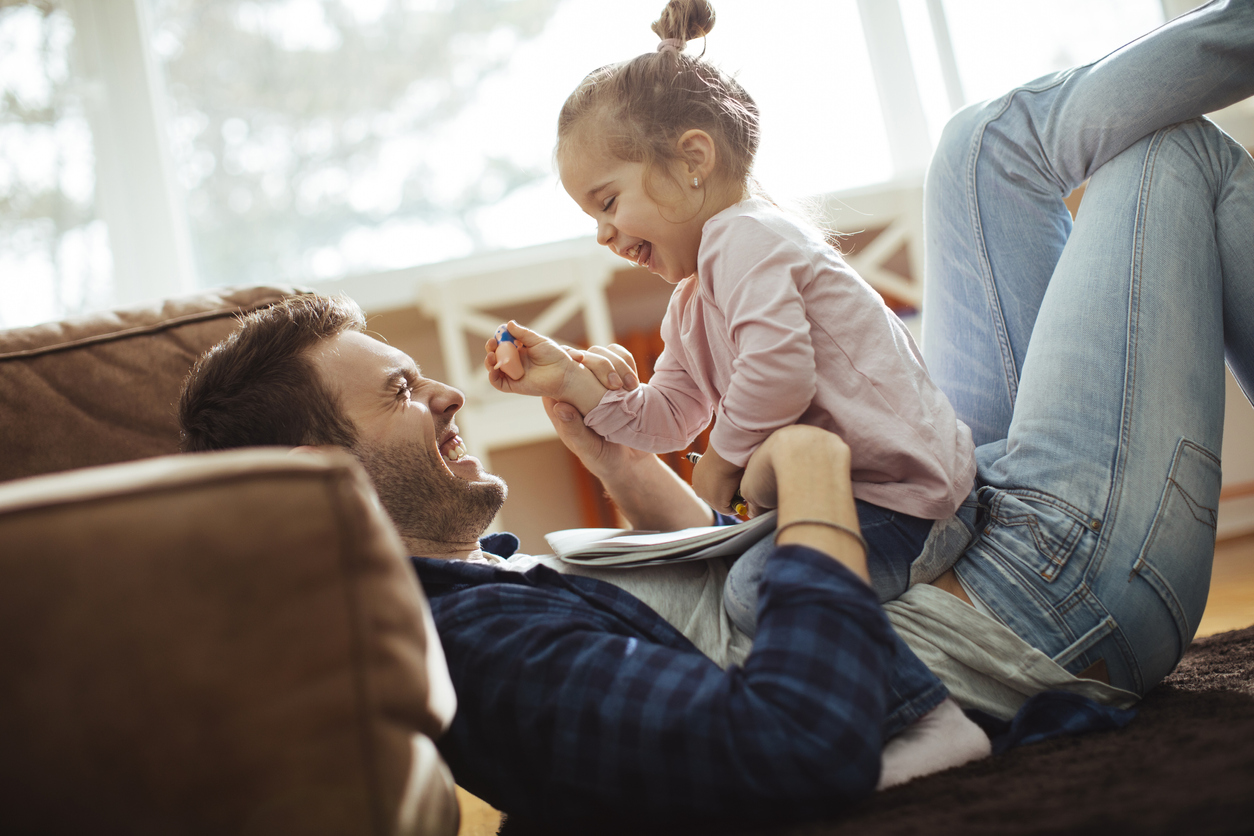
point(577, 702)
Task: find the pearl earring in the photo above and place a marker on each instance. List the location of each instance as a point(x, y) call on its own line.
point(695, 182)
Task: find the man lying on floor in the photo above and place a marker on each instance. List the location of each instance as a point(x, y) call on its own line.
point(579, 698)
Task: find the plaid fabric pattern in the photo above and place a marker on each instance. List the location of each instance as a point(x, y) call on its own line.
point(578, 702)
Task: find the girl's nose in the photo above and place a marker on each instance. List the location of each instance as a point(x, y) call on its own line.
point(605, 233)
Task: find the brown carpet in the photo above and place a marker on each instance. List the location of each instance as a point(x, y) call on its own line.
point(1185, 765)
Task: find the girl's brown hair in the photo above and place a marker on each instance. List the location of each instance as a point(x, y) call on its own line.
point(647, 103)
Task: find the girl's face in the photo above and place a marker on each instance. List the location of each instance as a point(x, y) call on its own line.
point(663, 237)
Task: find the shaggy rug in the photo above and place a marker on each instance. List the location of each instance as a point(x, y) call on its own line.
point(1185, 765)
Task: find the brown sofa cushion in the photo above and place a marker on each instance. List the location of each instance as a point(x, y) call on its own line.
point(103, 388)
point(219, 643)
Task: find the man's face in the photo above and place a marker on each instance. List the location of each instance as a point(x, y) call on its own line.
point(408, 442)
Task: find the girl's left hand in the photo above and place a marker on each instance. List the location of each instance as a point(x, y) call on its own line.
point(613, 365)
point(716, 481)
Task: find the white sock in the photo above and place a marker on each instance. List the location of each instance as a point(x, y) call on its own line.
point(941, 739)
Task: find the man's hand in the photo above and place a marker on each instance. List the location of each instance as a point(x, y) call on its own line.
point(650, 494)
point(804, 472)
point(602, 458)
point(548, 371)
point(717, 481)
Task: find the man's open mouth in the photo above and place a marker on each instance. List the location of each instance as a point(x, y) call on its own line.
point(453, 448)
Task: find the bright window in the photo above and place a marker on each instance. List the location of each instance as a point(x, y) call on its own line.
point(311, 139)
point(54, 250)
point(994, 52)
point(322, 138)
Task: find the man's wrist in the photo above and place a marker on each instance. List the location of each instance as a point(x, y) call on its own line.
point(623, 464)
point(807, 466)
point(816, 506)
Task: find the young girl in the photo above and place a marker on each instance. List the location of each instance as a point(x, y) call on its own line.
point(767, 326)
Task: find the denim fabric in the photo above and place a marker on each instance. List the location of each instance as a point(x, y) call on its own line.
point(893, 540)
point(1088, 361)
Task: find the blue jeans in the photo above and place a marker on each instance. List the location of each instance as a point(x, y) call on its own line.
point(893, 540)
point(1088, 361)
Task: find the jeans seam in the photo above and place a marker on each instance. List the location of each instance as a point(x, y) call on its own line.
point(1056, 558)
point(1168, 595)
point(1056, 552)
point(1126, 653)
point(1009, 370)
point(1045, 608)
point(1082, 644)
point(1082, 594)
point(1130, 343)
point(1050, 499)
point(1142, 568)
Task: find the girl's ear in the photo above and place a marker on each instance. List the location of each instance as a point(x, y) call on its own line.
point(696, 148)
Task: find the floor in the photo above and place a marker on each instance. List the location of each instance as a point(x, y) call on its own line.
point(1229, 607)
point(478, 817)
point(1231, 602)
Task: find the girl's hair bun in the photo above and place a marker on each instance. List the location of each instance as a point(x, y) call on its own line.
point(642, 106)
point(685, 20)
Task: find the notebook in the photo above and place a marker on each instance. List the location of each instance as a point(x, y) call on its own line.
point(627, 547)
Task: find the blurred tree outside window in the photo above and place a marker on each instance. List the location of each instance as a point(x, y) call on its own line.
point(301, 130)
point(316, 139)
point(322, 138)
point(54, 249)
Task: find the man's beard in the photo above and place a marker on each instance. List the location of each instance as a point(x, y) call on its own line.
point(425, 501)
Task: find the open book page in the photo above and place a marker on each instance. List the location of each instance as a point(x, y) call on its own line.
point(625, 547)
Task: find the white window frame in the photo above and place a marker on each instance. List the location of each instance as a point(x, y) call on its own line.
point(136, 193)
point(142, 202)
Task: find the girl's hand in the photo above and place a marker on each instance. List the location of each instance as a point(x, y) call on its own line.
point(613, 365)
point(542, 362)
point(717, 481)
point(548, 371)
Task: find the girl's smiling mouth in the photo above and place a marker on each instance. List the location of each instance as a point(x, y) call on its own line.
point(639, 253)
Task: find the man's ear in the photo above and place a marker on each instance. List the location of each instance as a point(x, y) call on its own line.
point(697, 149)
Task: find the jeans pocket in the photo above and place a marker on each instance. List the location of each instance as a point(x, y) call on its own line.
point(1176, 557)
point(1038, 531)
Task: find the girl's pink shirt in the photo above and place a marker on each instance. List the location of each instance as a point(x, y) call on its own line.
point(775, 329)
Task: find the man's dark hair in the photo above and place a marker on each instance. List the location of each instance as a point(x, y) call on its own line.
point(259, 385)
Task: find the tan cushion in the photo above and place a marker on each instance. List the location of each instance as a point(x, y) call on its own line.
point(219, 643)
point(103, 388)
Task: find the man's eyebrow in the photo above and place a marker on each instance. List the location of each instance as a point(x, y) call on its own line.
point(402, 370)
